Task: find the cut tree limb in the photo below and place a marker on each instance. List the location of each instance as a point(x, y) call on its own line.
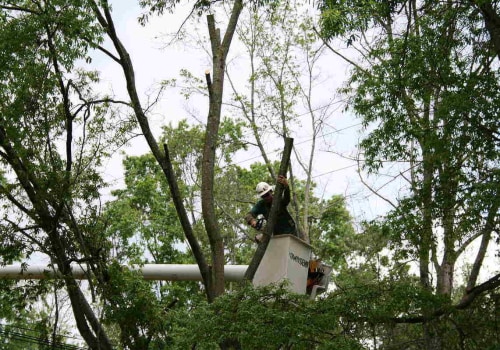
point(271, 221)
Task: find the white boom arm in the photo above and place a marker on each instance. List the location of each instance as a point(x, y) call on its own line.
point(165, 272)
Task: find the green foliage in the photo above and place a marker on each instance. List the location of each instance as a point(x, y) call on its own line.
point(200, 7)
point(427, 92)
point(264, 318)
point(475, 327)
point(25, 326)
point(273, 40)
point(257, 172)
point(363, 294)
point(452, 144)
point(143, 219)
point(132, 304)
point(394, 309)
point(431, 104)
point(361, 305)
point(333, 236)
point(12, 300)
point(143, 225)
point(340, 17)
point(52, 141)
point(52, 124)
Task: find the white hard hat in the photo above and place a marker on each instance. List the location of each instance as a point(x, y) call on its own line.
point(262, 188)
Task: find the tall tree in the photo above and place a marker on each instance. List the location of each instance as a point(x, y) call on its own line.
point(50, 145)
point(213, 273)
point(220, 48)
point(429, 91)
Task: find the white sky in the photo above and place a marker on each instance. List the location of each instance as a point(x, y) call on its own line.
point(333, 173)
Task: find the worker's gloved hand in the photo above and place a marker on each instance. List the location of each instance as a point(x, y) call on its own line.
point(282, 180)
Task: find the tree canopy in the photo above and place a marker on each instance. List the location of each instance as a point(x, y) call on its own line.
point(424, 84)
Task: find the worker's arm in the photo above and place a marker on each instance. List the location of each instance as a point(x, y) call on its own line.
point(286, 191)
point(251, 219)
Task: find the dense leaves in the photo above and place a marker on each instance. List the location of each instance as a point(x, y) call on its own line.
point(427, 90)
point(266, 318)
point(51, 142)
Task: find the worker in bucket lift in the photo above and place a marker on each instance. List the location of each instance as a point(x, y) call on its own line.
point(260, 211)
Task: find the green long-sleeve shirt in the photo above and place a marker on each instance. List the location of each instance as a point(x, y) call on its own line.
point(284, 221)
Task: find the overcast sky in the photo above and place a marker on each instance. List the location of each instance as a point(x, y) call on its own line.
point(333, 172)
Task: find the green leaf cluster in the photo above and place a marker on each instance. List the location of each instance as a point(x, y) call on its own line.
point(263, 318)
point(131, 304)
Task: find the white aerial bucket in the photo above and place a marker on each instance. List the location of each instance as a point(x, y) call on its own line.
point(286, 258)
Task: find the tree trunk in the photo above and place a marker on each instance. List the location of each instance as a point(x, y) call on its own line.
point(261, 249)
point(186, 225)
point(492, 23)
point(220, 50)
point(424, 245)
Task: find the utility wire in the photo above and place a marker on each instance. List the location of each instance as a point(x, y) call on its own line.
point(299, 143)
point(31, 339)
point(34, 330)
point(278, 150)
point(334, 171)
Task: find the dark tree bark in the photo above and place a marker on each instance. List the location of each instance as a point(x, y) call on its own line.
point(220, 50)
point(261, 249)
point(186, 225)
point(491, 22)
point(213, 276)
